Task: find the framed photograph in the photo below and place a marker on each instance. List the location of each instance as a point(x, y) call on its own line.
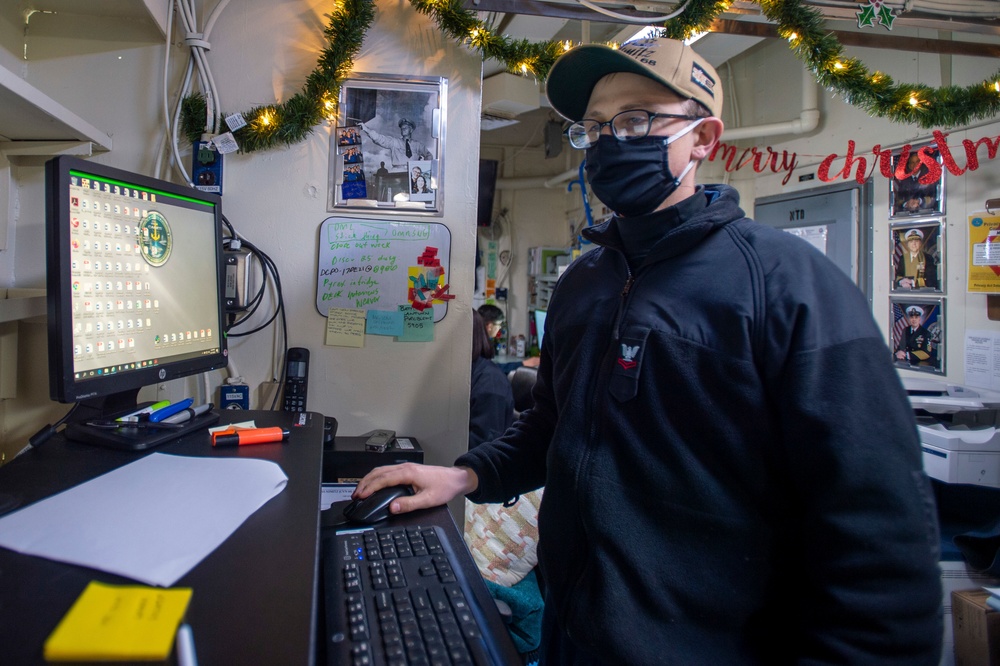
point(917, 255)
point(916, 188)
point(387, 150)
point(918, 333)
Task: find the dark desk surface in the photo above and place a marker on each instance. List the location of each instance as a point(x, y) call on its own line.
point(254, 599)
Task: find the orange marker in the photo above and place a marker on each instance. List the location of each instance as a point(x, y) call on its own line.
point(245, 436)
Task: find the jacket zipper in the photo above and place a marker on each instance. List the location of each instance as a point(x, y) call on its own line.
point(585, 459)
point(621, 306)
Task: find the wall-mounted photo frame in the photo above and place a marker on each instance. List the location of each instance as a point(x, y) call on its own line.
point(916, 188)
point(387, 150)
point(917, 337)
point(917, 256)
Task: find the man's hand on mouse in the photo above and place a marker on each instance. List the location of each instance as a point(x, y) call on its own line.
point(432, 485)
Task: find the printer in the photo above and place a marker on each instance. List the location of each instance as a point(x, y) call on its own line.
point(959, 431)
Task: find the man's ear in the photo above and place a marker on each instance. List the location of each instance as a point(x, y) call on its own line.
point(706, 135)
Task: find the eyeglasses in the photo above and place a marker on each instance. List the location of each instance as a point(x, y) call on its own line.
point(625, 126)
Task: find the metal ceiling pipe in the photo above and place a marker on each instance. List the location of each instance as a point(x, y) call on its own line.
point(807, 121)
point(536, 182)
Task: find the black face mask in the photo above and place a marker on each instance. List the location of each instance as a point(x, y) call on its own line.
point(632, 178)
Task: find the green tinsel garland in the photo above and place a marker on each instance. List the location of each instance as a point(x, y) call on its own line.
point(288, 123)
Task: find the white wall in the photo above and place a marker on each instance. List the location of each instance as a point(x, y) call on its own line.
point(261, 53)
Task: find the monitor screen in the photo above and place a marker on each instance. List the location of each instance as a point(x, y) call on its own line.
point(134, 282)
point(540, 325)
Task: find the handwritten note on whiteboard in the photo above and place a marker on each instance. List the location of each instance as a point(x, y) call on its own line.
point(368, 264)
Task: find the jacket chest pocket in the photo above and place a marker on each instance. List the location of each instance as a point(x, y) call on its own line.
point(628, 363)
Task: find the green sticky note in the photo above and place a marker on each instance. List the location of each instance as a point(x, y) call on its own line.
point(417, 326)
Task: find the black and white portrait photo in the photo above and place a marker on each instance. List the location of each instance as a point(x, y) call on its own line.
point(394, 128)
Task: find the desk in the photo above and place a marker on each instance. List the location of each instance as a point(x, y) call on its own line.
point(255, 596)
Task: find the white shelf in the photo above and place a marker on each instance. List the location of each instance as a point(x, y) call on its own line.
point(32, 124)
point(119, 10)
point(17, 304)
point(29, 115)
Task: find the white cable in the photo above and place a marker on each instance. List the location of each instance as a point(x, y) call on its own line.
point(158, 166)
point(643, 20)
point(197, 65)
point(174, 138)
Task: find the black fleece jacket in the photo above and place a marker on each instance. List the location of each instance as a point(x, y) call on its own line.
point(731, 466)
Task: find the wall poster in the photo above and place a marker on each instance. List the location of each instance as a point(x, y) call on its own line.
point(918, 333)
point(387, 150)
point(984, 254)
point(917, 185)
point(917, 256)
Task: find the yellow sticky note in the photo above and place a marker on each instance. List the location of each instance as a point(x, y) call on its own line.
point(345, 327)
point(116, 622)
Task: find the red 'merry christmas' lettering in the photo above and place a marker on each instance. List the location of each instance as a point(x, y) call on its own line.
point(858, 166)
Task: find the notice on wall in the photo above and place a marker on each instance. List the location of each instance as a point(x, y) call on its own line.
point(375, 265)
point(982, 359)
point(984, 254)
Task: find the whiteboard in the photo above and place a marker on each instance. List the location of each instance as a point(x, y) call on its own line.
point(372, 265)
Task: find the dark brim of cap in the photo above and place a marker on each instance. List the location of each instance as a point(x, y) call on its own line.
point(574, 75)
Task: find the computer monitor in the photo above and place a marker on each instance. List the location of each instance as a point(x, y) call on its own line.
point(135, 282)
point(540, 325)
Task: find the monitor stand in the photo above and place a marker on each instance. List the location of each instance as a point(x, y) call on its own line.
point(94, 423)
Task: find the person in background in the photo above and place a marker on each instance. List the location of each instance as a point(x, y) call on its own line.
point(403, 149)
point(420, 186)
point(731, 465)
point(494, 320)
point(491, 401)
point(912, 196)
point(916, 345)
point(916, 269)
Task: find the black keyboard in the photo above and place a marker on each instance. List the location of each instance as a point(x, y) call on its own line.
point(395, 595)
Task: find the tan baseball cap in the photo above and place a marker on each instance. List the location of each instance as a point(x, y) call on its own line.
point(667, 61)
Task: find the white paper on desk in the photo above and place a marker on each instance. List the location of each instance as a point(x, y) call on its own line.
point(152, 520)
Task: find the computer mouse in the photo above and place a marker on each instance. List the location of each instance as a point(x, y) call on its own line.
point(375, 507)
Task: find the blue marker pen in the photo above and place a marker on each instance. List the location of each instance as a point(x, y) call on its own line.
point(170, 410)
point(132, 416)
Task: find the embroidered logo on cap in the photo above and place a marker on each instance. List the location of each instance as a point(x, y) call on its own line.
point(643, 51)
point(627, 360)
point(702, 79)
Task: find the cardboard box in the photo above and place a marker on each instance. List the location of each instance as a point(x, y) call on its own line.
point(976, 627)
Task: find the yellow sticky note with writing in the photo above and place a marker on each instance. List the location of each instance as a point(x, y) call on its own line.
point(345, 327)
point(116, 622)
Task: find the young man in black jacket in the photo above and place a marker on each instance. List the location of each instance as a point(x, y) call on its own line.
point(731, 465)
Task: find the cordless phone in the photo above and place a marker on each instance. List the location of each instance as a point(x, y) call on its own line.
point(296, 379)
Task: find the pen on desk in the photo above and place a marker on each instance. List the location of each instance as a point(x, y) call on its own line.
point(170, 410)
point(145, 410)
point(131, 425)
point(186, 655)
point(250, 436)
point(188, 414)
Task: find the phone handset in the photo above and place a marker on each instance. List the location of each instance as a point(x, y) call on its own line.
point(296, 379)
